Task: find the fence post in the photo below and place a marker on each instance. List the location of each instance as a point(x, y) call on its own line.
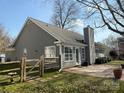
point(41, 66)
point(23, 69)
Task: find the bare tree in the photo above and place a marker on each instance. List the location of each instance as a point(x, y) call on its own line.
point(110, 41)
point(110, 12)
point(5, 39)
point(65, 11)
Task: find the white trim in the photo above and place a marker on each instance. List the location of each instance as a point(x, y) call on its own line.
point(77, 63)
point(75, 44)
point(68, 46)
point(79, 57)
point(72, 53)
point(50, 46)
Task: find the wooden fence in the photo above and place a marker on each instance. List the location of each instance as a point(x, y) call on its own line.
point(26, 66)
point(39, 63)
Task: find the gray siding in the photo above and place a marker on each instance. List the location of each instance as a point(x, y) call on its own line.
point(34, 39)
point(10, 55)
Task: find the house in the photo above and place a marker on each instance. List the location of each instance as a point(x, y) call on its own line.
point(120, 48)
point(101, 50)
point(2, 58)
point(37, 38)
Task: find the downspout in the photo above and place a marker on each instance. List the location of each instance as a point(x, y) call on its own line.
point(60, 53)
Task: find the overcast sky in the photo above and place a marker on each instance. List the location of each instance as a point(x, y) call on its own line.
point(13, 14)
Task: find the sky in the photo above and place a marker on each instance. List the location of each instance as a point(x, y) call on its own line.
point(13, 14)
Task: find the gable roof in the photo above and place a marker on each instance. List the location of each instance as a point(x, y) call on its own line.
point(62, 35)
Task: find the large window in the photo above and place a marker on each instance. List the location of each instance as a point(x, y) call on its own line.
point(68, 53)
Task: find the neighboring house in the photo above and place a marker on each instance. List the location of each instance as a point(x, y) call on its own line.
point(101, 50)
point(120, 47)
point(37, 38)
point(2, 58)
point(99, 47)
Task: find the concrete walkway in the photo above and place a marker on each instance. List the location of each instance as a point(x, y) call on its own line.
point(95, 70)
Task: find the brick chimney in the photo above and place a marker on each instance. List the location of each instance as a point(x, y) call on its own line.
point(90, 48)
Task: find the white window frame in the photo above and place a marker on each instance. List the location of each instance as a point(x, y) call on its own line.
point(50, 55)
point(69, 59)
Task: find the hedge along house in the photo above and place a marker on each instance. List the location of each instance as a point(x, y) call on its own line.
point(38, 38)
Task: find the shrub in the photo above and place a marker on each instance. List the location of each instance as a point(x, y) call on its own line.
point(100, 60)
point(113, 54)
point(108, 59)
point(85, 63)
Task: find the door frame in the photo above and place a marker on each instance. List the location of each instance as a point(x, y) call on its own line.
point(77, 54)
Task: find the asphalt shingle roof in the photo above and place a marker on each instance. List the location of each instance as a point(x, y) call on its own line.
point(65, 36)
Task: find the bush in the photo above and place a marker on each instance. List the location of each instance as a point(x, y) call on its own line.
point(85, 64)
point(100, 60)
point(113, 54)
point(108, 59)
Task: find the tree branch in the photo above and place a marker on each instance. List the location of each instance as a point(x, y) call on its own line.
point(108, 25)
point(119, 3)
point(112, 13)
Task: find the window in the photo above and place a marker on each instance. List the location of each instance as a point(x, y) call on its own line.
point(83, 53)
point(50, 51)
point(73, 49)
point(68, 53)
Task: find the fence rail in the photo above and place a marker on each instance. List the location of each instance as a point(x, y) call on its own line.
point(10, 62)
point(24, 67)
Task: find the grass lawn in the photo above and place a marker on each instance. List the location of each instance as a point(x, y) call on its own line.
point(116, 62)
point(54, 82)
